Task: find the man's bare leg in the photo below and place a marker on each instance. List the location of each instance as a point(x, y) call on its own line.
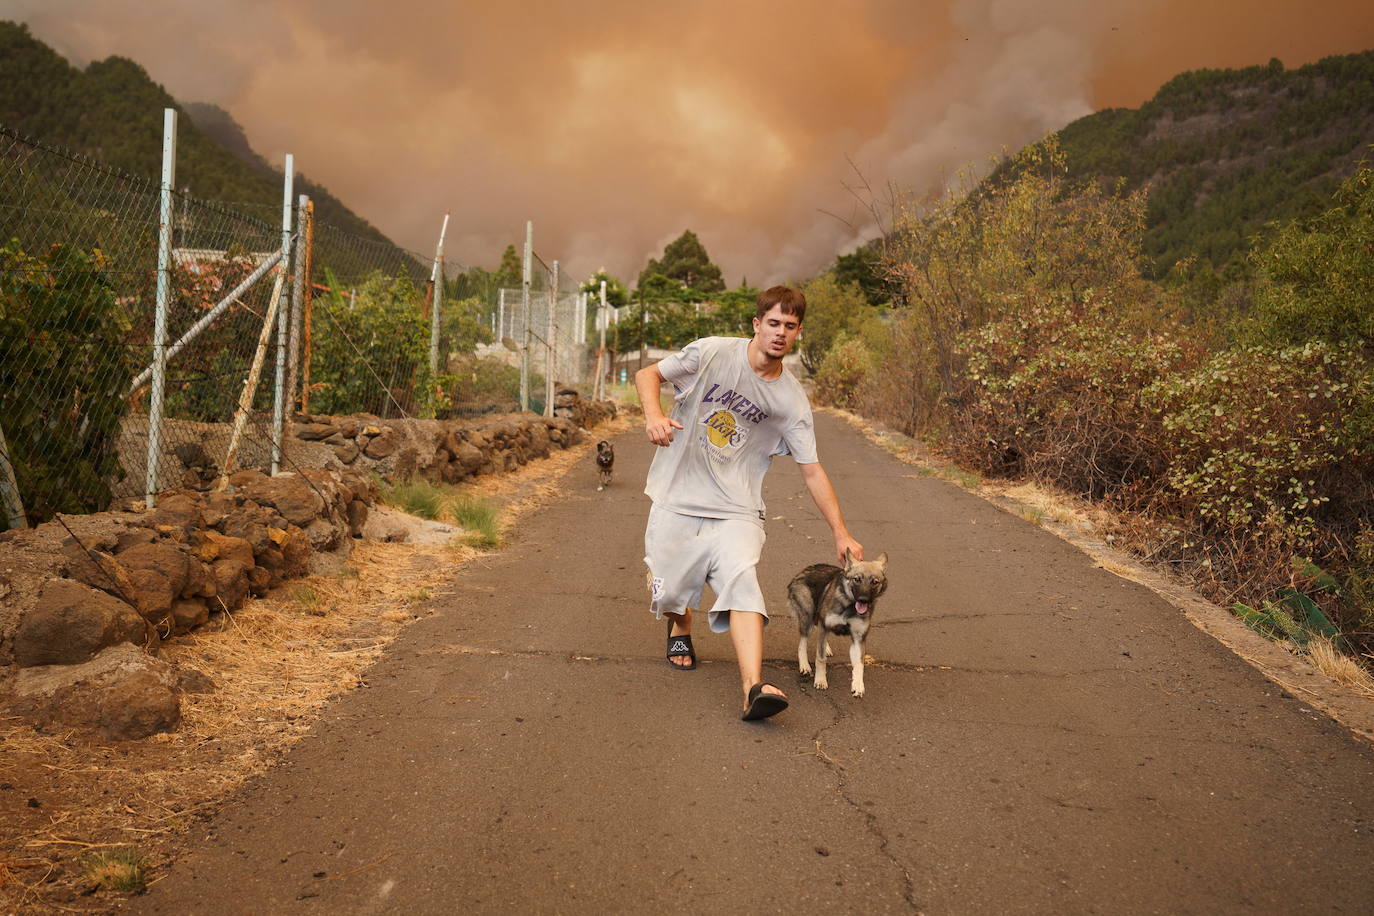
point(682, 626)
point(746, 632)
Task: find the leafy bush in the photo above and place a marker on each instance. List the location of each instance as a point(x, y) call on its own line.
point(371, 351)
point(832, 308)
point(1030, 345)
point(985, 253)
point(1318, 276)
point(65, 368)
point(842, 372)
point(474, 386)
point(1056, 395)
point(1271, 442)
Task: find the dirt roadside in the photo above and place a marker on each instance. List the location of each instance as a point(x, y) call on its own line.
point(1039, 735)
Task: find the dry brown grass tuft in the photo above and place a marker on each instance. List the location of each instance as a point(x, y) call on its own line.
point(1338, 666)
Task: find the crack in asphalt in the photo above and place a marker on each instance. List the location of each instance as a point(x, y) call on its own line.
point(871, 821)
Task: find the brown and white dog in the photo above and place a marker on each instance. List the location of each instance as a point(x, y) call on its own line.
point(838, 601)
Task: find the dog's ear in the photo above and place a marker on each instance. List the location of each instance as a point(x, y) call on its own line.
point(848, 559)
point(882, 560)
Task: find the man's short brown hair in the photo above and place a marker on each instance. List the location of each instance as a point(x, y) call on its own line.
point(791, 300)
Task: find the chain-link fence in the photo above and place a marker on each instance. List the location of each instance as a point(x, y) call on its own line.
point(269, 315)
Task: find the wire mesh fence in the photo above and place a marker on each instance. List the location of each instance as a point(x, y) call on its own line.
point(259, 325)
point(78, 271)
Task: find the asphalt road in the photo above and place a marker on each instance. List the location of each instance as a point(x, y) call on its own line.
point(1038, 736)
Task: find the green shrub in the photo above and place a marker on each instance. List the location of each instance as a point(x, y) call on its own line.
point(1318, 275)
point(371, 349)
point(1056, 395)
point(474, 385)
point(840, 377)
point(1271, 444)
point(65, 369)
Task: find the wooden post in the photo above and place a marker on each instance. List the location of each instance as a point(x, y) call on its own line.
point(9, 488)
point(250, 385)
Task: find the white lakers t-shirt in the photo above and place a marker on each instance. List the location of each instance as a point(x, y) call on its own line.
point(734, 422)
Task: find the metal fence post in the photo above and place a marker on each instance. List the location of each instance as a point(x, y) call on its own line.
point(601, 317)
point(293, 356)
point(309, 301)
point(552, 343)
point(525, 316)
point(436, 279)
point(164, 290)
point(279, 400)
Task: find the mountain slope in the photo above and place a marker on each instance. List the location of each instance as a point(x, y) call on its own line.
point(112, 112)
point(1226, 151)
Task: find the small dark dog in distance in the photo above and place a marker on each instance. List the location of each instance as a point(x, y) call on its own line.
point(838, 601)
point(605, 461)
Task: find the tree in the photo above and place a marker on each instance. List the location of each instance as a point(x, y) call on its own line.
point(832, 308)
point(511, 272)
point(1317, 276)
point(65, 366)
point(686, 261)
point(733, 315)
point(616, 293)
point(462, 327)
point(863, 268)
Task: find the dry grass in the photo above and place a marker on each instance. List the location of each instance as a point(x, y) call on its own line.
point(276, 663)
point(1338, 666)
point(114, 869)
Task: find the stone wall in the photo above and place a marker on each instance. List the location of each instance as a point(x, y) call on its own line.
point(80, 593)
point(82, 599)
point(442, 450)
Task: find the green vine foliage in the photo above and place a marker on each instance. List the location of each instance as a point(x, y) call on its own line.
point(64, 371)
point(371, 350)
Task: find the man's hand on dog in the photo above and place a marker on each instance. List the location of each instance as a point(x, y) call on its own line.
point(845, 542)
point(660, 431)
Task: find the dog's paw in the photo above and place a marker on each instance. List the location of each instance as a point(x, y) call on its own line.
point(829, 651)
point(857, 691)
point(821, 683)
point(806, 670)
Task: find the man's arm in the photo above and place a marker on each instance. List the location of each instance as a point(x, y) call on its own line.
point(657, 426)
point(818, 484)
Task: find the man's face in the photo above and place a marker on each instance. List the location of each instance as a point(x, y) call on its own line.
point(775, 332)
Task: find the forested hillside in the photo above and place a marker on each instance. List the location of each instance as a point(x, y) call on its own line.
point(112, 112)
point(1223, 152)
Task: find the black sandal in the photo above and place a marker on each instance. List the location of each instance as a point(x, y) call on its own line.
point(762, 705)
point(680, 647)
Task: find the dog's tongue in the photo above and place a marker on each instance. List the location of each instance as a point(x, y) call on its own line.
point(861, 607)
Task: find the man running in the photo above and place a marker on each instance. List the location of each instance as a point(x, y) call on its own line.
point(736, 408)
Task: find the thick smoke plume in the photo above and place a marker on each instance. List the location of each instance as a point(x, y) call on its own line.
point(615, 125)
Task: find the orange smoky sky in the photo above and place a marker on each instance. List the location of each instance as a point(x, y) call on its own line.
point(615, 125)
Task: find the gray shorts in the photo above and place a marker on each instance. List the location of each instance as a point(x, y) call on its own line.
point(685, 553)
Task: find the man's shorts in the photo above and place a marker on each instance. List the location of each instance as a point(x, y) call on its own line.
point(685, 553)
